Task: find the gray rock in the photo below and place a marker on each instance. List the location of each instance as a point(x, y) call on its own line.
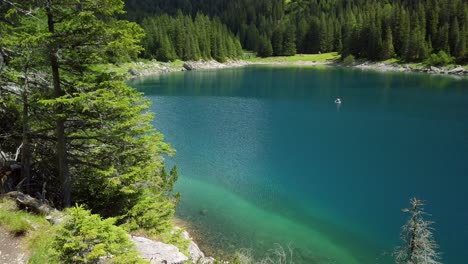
point(434, 69)
point(189, 66)
point(158, 252)
point(196, 255)
point(133, 72)
point(457, 70)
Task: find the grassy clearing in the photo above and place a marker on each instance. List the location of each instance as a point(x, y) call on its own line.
point(319, 58)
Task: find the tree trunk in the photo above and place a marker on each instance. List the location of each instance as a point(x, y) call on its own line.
point(25, 152)
point(64, 173)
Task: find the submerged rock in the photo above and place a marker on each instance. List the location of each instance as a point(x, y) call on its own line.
point(203, 211)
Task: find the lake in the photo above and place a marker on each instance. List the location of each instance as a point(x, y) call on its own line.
point(266, 157)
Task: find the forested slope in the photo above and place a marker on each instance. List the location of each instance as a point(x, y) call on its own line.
point(373, 29)
point(181, 37)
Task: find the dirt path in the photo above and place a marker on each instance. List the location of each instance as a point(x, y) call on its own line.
point(11, 249)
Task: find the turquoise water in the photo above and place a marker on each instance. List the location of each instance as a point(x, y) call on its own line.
point(265, 157)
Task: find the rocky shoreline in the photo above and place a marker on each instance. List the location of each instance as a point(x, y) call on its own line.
point(156, 68)
point(156, 252)
point(395, 67)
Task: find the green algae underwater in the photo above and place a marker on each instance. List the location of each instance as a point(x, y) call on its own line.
point(266, 157)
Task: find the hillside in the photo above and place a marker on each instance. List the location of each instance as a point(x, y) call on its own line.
point(376, 29)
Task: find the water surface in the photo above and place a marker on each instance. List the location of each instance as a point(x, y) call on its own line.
point(265, 157)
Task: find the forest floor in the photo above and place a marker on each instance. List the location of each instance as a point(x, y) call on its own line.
point(11, 248)
point(12, 239)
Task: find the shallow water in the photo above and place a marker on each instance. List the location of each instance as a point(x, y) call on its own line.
point(265, 157)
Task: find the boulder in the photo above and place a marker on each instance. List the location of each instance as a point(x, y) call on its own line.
point(434, 69)
point(133, 72)
point(189, 66)
point(196, 255)
point(457, 70)
point(157, 252)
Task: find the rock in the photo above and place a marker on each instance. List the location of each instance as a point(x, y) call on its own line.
point(133, 72)
point(158, 252)
point(196, 255)
point(189, 66)
point(457, 70)
point(434, 69)
point(55, 218)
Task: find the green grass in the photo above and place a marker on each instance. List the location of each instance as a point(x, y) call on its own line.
point(18, 222)
point(40, 244)
point(319, 58)
point(392, 60)
point(36, 230)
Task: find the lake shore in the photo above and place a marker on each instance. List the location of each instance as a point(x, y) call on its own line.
point(140, 69)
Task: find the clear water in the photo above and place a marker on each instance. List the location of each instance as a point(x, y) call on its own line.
point(265, 157)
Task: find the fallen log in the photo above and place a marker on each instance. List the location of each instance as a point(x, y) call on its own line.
point(31, 203)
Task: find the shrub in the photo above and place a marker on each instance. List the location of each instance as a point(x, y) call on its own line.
point(439, 59)
point(86, 238)
point(349, 60)
point(152, 213)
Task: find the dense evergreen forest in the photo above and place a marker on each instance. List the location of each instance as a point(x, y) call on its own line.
point(83, 136)
point(181, 37)
point(372, 29)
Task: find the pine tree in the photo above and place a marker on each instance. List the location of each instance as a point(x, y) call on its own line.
point(277, 41)
point(387, 48)
point(94, 127)
point(419, 246)
point(265, 49)
point(289, 42)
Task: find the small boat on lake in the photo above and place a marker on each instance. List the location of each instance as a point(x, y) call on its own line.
point(337, 101)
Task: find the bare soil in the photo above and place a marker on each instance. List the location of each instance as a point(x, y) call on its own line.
point(11, 248)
